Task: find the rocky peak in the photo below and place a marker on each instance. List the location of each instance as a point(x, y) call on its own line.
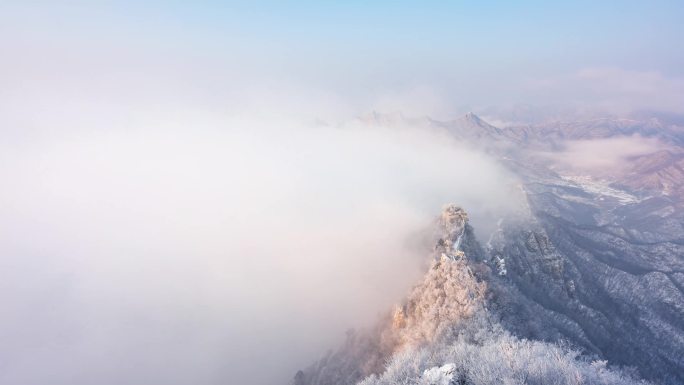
point(451, 227)
point(448, 294)
point(471, 117)
point(453, 217)
point(472, 120)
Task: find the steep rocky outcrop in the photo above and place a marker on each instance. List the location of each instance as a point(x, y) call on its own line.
point(611, 286)
point(448, 294)
point(452, 328)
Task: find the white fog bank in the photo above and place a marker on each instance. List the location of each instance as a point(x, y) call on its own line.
point(201, 251)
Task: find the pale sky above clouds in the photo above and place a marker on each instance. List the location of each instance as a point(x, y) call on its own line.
point(437, 58)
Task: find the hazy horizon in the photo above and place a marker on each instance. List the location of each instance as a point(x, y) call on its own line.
point(322, 60)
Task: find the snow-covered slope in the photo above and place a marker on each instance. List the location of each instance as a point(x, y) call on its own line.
point(444, 333)
point(596, 262)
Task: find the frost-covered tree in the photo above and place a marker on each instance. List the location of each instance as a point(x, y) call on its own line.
point(480, 352)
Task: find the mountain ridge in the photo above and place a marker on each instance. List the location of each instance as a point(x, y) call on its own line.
point(594, 259)
point(444, 319)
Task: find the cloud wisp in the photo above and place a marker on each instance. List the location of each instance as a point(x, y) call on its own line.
point(603, 155)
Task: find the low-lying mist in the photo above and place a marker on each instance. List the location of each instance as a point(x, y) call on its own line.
point(603, 156)
point(214, 251)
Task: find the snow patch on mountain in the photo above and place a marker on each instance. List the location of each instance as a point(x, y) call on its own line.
point(601, 189)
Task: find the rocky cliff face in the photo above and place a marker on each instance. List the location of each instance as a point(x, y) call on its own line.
point(600, 254)
point(606, 276)
point(448, 294)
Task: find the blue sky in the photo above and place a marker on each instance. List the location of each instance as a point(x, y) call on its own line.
point(466, 54)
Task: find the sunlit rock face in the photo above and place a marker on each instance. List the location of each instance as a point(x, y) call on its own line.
point(449, 293)
point(452, 224)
